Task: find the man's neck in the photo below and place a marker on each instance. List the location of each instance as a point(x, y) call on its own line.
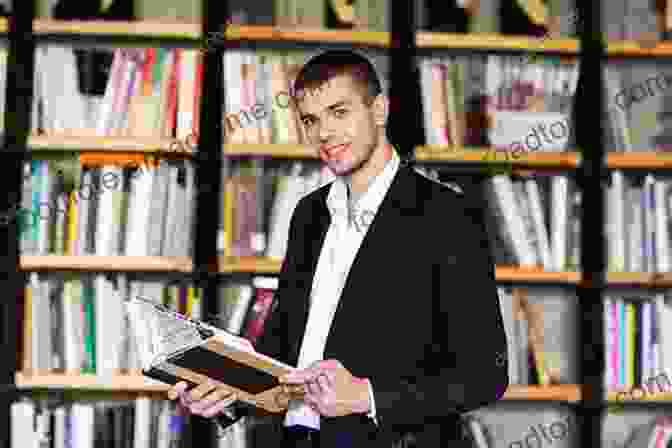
point(359, 182)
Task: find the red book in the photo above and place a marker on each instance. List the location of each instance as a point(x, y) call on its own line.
point(262, 307)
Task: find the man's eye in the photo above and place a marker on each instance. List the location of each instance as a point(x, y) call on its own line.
point(307, 122)
point(340, 112)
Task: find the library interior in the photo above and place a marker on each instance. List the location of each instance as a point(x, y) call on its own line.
point(182, 119)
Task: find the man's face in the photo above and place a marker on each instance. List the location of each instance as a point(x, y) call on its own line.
point(339, 124)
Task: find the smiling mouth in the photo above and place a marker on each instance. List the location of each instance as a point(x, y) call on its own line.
point(335, 151)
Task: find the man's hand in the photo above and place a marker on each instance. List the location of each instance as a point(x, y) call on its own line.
point(204, 400)
point(331, 389)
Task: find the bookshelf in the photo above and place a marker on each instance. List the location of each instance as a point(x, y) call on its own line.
point(169, 29)
point(118, 146)
point(140, 384)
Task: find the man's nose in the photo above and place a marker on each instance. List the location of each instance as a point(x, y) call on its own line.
point(326, 129)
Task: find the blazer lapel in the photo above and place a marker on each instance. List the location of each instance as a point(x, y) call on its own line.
point(313, 242)
point(399, 201)
point(400, 198)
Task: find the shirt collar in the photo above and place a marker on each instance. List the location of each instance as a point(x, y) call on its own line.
point(337, 200)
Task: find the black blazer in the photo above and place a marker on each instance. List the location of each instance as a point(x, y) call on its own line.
point(419, 314)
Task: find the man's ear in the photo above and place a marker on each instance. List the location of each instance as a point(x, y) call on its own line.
point(381, 107)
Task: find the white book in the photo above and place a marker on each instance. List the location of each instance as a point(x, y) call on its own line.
point(163, 427)
point(515, 227)
point(107, 226)
point(105, 117)
point(615, 230)
point(290, 190)
point(66, 107)
point(559, 221)
point(608, 347)
point(662, 234)
point(60, 416)
point(649, 225)
point(645, 349)
point(23, 429)
point(664, 310)
point(158, 209)
point(135, 242)
point(233, 81)
point(635, 229)
point(534, 196)
point(506, 308)
point(172, 211)
point(141, 427)
point(431, 133)
point(109, 313)
point(73, 327)
point(82, 429)
point(186, 85)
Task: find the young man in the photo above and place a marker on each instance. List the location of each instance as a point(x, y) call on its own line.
point(387, 298)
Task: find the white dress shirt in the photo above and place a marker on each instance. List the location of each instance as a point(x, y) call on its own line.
point(340, 247)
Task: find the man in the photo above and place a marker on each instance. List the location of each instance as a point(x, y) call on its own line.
point(387, 301)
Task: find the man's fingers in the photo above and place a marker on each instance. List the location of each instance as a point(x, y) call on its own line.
point(325, 383)
point(313, 388)
point(177, 390)
point(217, 408)
point(215, 397)
point(200, 391)
point(300, 376)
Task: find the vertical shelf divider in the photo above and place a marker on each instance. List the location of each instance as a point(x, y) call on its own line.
point(591, 175)
point(18, 101)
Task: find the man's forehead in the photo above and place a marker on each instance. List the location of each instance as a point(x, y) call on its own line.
point(336, 89)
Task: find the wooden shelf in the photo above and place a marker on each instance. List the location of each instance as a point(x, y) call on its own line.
point(493, 41)
point(535, 275)
point(145, 28)
point(635, 48)
point(192, 30)
point(645, 397)
point(81, 142)
point(267, 265)
point(301, 34)
point(105, 263)
point(138, 383)
point(570, 393)
point(644, 160)
point(426, 153)
point(117, 383)
point(647, 279)
point(485, 155)
point(275, 150)
point(249, 264)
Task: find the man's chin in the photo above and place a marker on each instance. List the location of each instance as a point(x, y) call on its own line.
point(340, 168)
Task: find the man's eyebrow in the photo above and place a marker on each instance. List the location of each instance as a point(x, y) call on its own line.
point(336, 105)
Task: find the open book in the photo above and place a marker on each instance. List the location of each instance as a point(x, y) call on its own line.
point(173, 348)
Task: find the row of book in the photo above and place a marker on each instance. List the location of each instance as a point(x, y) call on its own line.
point(536, 222)
point(638, 345)
point(116, 210)
point(150, 92)
point(155, 92)
point(107, 210)
point(78, 323)
point(141, 423)
point(457, 91)
point(95, 207)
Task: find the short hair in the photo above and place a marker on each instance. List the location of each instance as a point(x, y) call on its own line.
point(328, 64)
